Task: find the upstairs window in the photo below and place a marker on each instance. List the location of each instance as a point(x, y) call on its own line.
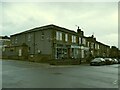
point(58, 35)
point(29, 37)
point(83, 41)
point(92, 45)
point(80, 40)
point(98, 46)
point(42, 36)
point(88, 44)
point(66, 37)
point(16, 39)
point(73, 39)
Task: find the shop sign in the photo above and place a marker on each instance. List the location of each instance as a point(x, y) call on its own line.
point(73, 46)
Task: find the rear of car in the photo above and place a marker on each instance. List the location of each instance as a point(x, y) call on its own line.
point(108, 61)
point(97, 62)
point(115, 61)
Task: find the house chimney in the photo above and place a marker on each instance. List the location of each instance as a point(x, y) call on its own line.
point(78, 30)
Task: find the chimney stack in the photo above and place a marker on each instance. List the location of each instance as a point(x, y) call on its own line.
point(79, 31)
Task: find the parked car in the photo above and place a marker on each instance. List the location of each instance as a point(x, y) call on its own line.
point(118, 61)
point(97, 61)
point(115, 61)
point(108, 61)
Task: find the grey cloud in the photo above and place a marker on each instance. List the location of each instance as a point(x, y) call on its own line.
point(100, 18)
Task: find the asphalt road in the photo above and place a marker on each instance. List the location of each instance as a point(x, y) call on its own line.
point(22, 74)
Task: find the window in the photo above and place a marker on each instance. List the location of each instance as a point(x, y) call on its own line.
point(58, 35)
point(42, 36)
point(84, 41)
point(73, 39)
point(66, 37)
point(12, 41)
point(88, 44)
point(98, 46)
point(92, 45)
point(16, 39)
point(80, 40)
point(29, 37)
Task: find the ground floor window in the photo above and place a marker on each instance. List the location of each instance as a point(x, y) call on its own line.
point(61, 53)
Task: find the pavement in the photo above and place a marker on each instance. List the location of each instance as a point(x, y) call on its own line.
point(22, 74)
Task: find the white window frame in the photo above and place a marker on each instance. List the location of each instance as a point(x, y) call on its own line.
point(80, 40)
point(66, 37)
point(60, 38)
point(83, 41)
point(42, 36)
point(16, 39)
point(73, 39)
point(98, 46)
point(92, 45)
point(88, 44)
point(58, 35)
point(29, 37)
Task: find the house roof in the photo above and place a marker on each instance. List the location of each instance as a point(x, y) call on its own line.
point(51, 26)
point(4, 37)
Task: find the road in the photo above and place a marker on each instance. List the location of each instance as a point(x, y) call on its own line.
point(22, 74)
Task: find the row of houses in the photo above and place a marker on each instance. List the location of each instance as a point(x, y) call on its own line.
point(52, 42)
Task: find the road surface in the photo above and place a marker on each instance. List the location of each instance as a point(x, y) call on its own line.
point(22, 74)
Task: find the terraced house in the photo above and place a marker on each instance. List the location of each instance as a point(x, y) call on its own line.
point(54, 42)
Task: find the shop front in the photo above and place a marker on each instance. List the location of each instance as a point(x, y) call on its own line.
point(75, 51)
point(61, 51)
point(67, 51)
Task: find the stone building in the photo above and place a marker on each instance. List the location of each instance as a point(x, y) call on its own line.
point(4, 41)
point(52, 42)
point(96, 48)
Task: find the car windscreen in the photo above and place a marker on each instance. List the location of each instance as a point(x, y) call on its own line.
point(96, 60)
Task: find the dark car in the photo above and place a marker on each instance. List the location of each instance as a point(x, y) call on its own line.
point(97, 61)
point(118, 61)
point(108, 61)
point(115, 61)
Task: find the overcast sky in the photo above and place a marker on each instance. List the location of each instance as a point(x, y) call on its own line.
point(100, 18)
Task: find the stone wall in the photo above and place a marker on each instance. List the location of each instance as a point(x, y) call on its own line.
point(39, 58)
